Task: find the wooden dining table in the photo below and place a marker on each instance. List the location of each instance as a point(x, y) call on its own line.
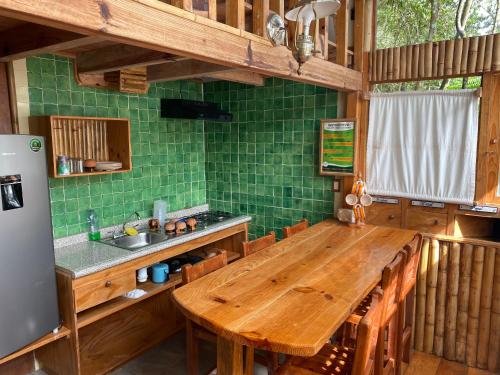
point(292, 296)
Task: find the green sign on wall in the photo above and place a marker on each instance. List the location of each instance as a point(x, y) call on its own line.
point(337, 147)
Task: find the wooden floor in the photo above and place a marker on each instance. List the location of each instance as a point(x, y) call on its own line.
point(426, 364)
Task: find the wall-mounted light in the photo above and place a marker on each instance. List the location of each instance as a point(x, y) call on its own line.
point(303, 13)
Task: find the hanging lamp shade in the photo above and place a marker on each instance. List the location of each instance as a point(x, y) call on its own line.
point(312, 9)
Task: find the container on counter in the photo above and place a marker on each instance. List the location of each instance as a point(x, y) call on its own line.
point(160, 211)
point(160, 273)
point(63, 165)
point(94, 233)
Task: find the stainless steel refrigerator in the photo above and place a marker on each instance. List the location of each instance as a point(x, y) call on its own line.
point(28, 294)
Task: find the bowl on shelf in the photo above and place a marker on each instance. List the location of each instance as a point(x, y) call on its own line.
point(108, 166)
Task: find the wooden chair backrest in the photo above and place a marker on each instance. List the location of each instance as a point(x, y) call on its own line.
point(193, 272)
point(392, 278)
point(410, 268)
point(366, 341)
point(250, 247)
point(294, 229)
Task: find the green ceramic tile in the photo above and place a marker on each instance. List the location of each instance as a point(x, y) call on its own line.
point(53, 90)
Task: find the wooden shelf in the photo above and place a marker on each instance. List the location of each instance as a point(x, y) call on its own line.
point(98, 138)
point(96, 313)
point(47, 339)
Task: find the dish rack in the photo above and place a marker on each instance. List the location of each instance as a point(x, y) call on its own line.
point(98, 138)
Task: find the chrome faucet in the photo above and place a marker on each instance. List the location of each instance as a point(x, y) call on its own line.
point(138, 217)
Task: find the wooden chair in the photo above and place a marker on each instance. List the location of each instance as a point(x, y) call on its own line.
point(391, 285)
point(195, 332)
point(270, 360)
point(406, 309)
point(340, 360)
point(250, 247)
point(294, 229)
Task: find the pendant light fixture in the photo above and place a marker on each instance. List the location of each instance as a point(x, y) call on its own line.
point(305, 12)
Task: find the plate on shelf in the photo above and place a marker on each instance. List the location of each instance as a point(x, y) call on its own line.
point(108, 166)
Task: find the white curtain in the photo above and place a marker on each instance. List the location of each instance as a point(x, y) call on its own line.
point(422, 145)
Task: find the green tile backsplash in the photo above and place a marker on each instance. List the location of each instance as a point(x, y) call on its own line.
point(168, 155)
point(265, 163)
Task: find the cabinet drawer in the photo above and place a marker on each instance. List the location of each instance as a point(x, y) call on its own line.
point(103, 290)
point(385, 214)
point(427, 221)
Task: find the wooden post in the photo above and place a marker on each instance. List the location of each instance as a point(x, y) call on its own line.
point(380, 66)
point(442, 57)
point(465, 55)
point(396, 63)
point(494, 346)
point(278, 6)
point(359, 33)
point(402, 67)
point(260, 13)
point(448, 60)
point(430, 301)
point(421, 296)
point(485, 308)
point(390, 62)
point(474, 306)
point(480, 54)
point(450, 329)
point(472, 58)
point(341, 32)
point(488, 53)
point(441, 299)
point(409, 62)
point(428, 59)
point(496, 53)
point(415, 61)
point(457, 56)
point(422, 59)
point(235, 13)
point(212, 9)
point(183, 4)
point(463, 300)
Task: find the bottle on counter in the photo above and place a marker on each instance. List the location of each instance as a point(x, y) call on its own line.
point(94, 233)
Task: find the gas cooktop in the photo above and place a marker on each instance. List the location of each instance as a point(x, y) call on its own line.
point(204, 219)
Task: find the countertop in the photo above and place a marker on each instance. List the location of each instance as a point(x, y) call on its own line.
point(84, 258)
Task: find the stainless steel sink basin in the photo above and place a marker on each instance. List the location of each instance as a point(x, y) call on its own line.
point(135, 242)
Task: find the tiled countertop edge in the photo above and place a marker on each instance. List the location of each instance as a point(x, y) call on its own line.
point(108, 232)
point(155, 248)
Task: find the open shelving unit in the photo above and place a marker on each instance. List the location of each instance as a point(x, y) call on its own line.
point(45, 340)
point(97, 138)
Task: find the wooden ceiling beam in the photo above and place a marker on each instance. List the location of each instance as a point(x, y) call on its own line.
point(32, 39)
point(187, 69)
point(119, 57)
point(240, 76)
point(154, 25)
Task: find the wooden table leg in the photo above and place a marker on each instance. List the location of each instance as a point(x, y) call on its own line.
point(229, 357)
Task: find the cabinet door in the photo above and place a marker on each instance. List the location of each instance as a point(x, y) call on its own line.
point(488, 163)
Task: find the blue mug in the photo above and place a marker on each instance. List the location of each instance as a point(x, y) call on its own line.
point(160, 273)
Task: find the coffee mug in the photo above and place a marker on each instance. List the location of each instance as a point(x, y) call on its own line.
point(142, 275)
point(160, 273)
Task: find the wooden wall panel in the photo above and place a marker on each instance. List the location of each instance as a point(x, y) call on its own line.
point(5, 118)
point(437, 60)
point(458, 301)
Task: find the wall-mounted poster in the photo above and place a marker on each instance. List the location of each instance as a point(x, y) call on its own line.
point(337, 147)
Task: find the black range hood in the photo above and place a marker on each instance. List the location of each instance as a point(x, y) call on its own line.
point(193, 110)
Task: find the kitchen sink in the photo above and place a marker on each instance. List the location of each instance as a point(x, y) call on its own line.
point(137, 242)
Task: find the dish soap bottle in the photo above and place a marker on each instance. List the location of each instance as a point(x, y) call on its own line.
point(94, 234)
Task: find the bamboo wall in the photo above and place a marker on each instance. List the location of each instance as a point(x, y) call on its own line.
point(458, 302)
point(436, 60)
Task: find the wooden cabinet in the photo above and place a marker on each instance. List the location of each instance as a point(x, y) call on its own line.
point(108, 329)
point(101, 139)
point(385, 214)
point(103, 290)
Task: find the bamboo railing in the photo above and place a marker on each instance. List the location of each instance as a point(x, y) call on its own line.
point(436, 60)
point(458, 301)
